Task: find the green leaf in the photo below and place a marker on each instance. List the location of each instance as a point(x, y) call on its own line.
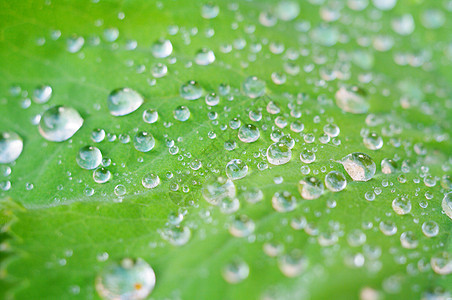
point(62, 228)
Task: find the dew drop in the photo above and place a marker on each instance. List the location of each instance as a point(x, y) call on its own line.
point(124, 101)
point(278, 154)
point(401, 205)
point(359, 166)
point(150, 116)
point(130, 279)
point(284, 201)
point(248, 133)
point(235, 271)
point(143, 141)
point(101, 175)
point(335, 181)
point(150, 181)
point(204, 57)
point(59, 123)
point(216, 189)
point(11, 146)
point(253, 87)
point(310, 188)
point(181, 113)
point(89, 157)
point(42, 93)
point(447, 204)
point(162, 48)
point(352, 100)
point(236, 169)
point(191, 90)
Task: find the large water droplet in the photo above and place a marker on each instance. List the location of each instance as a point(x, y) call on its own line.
point(447, 204)
point(124, 101)
point(11, 146)
point(89, 157)
point(191, 90)
point(130, 279)
point(204, 57)
point(162, 48)
point(401, 205)
point(278, 154)
point(335, 181)
point(150, 181)
point(311, 188)
point(236, 169)
point(241, 226)
point(143, 141)
point(59, 123)
point(352, 99)
point(216, 189)
point(235, 271)
point(210, 10)
point(359, 166)
point(181, 113)
point(253, 87)
point(248, 133)
point(284, 201)
point(42, 93)
point(442, 263)
point(101, 175)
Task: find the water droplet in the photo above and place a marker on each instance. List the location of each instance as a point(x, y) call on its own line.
point(278, 154)
point(162, 48)
point(447, 204)
point(401, 205)
point(287, 10)
point(430, 228)
point(176, 235)
point(11, 146)
point(359, 166)
point(332, 130)
point(388, 166)
point(42, 93)
point(307, 156)
point(284, 201)
point(212, 99)
point(204, 57)
point(130, 279)
point(210, 11)
point(248, 133)
point(191, 90)
point(235, 271)
point(74, 43)
point(236, 169)
point(388, 227)
point(216, 189)
point(59, 123)
point(373, 141)
point(98, 135)
point(150, 116)
point(101, 175)
point(241, 226)
point(150, 181)
point(311, 188)
point(352, 99)
point(253, 87)
point(124, 101)
point(292, 263)
point(335, 181)
point(409, 240)
point(89, 157)
point(181, 113)
point(143, 141)
point(442, 263)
